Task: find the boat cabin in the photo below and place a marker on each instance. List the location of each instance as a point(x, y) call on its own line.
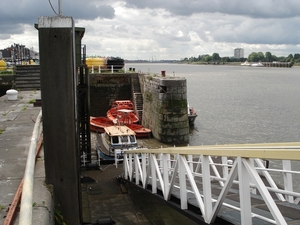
point(120, 137)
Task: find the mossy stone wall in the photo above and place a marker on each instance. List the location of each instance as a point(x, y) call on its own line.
point(165, 108)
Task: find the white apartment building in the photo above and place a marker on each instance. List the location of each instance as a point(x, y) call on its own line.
point(238, 53)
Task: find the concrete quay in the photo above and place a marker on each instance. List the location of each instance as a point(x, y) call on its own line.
point(102, 198)
point(17, 120)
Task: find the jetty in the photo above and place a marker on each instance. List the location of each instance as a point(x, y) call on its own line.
point(277, 64)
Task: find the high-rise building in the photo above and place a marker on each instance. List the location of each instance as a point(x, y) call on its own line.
point(238, 53)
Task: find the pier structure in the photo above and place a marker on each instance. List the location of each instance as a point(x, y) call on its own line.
point(220, 184)
point(227, 182)
point(165, 109)
point(278, 64)
point(60, 114)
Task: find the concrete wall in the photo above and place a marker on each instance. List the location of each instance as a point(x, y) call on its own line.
point(165, 108)
point(106, 88)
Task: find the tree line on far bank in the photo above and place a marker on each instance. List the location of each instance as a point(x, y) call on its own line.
point(253, 57)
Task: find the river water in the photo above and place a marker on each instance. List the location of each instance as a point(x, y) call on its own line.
point(240, 105)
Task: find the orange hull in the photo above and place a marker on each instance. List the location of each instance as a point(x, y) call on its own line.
point(99, 123)
point(122, 114)
point(123, 104)
point(139, 130)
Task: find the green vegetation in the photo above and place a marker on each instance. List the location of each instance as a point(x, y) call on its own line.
point(253, 57)
point(2, 207)
point(31, 101)
point(6, 72)
point(1, 131)
point(59, 219)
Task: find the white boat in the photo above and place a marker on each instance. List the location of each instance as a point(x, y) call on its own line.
point(259, 64)
point(246, 63)
point(114, 141)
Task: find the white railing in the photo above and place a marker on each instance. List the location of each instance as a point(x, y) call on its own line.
point(186, 168)
point(27, 196)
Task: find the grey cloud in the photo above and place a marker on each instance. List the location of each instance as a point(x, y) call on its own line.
point(252, 9)
point(14, 13)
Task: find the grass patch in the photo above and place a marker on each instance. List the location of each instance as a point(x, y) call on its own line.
point(1, 131)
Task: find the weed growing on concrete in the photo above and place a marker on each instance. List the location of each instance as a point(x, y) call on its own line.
point(59, 219)
point(2, 207)
point(31, 101)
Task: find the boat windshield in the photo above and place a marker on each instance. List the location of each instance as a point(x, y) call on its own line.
point(124, 139)
point(115, 139)
point(132, 138)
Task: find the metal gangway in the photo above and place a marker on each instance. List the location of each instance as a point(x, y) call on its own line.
point(231, 182)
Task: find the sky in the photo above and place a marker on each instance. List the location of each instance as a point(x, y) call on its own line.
point(162, 29)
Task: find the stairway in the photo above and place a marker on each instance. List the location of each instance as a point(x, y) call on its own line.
point(27, 77)
point(137, 96)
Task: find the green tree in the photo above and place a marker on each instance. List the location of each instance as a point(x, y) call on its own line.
point(260, 56)
point(296, 56)
point(290, 58)
point(215, 57)
point(207, 58)
point(253, 57)
point(268, 57)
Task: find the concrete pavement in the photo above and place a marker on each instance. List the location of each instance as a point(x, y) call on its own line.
point(17, 119)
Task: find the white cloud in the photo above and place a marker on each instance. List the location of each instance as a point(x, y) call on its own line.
point(170, 29)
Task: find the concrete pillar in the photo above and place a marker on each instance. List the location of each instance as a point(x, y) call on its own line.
point(58, 92)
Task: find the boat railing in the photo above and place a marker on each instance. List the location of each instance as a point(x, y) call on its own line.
point(199, 170)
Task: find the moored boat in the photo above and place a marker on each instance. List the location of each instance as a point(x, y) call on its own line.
point(123, 111)
point(259, 64)
point(114, 141)
point(192, 115)
point(140, 131)
point(246, 63)
point(98, 124)
point(122, 104)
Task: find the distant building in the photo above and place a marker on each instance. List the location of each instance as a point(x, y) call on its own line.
point(18, 54)
point(238, 53)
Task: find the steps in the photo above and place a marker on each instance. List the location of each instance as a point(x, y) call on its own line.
point(137, 96)
point(27, 77)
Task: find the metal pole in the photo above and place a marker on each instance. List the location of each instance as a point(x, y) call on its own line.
point(59, 8)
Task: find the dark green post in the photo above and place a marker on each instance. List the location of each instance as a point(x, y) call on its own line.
point(58, 92)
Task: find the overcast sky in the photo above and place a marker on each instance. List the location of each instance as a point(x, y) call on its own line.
point(163, 29)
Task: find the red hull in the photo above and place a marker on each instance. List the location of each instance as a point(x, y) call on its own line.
point(139, 130)
point(123, 104)
point(124, 115)
point(122, 112)
point(99, 123)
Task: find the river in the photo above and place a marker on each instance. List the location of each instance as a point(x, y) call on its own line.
point(240, 105)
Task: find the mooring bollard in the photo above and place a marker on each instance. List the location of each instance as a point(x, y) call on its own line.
point(12, 94)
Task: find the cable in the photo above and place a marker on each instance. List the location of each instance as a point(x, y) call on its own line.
point(53, 8)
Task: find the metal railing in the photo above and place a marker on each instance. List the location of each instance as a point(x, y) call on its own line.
point(26, 201)
point(197, 170)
